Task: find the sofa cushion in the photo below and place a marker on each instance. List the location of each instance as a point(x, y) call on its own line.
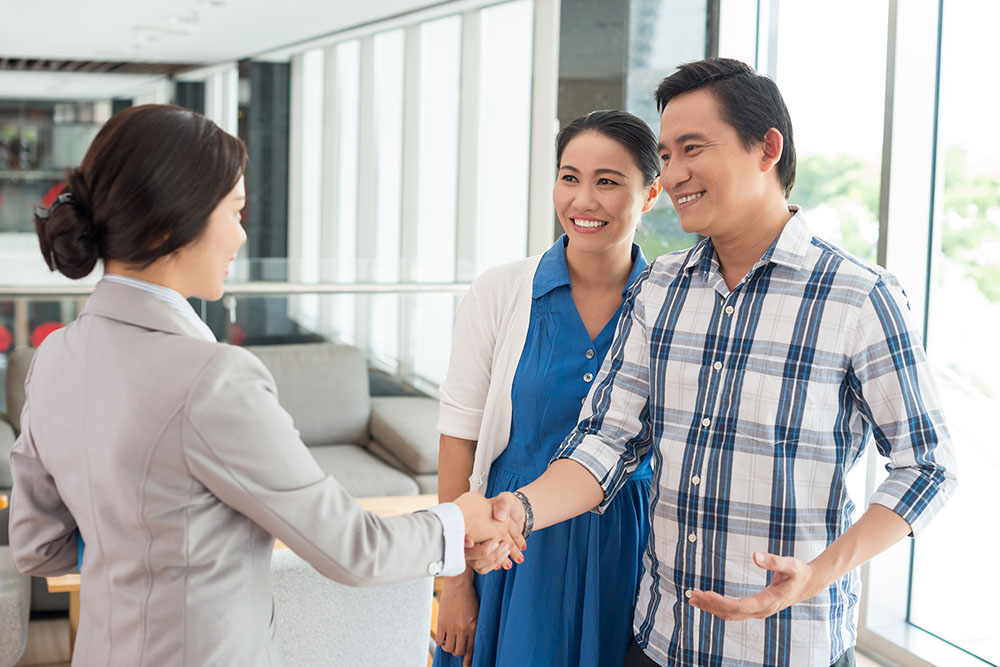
point(407, 427)
point(427, 482)
point(324, 387)
point(18, 362)
point(362, 474)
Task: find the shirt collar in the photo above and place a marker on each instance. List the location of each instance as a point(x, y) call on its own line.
point(789, 249)
point(552, 271)
point(171, 297)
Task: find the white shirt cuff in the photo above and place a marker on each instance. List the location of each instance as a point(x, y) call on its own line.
point(453, 524)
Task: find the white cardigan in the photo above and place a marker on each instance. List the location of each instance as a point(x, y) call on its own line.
point(491, 325)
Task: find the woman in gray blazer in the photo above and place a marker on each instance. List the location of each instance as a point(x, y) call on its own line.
point(168, 451)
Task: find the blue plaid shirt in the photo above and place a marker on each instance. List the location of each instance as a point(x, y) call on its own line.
point(756, 402)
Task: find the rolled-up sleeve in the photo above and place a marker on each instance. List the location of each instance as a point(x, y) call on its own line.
point(614, 431)
point(894, 384)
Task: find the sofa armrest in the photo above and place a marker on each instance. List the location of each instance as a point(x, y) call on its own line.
point(7, 438)
point(406, 427)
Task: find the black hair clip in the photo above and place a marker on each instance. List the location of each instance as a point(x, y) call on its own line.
point(64, 198)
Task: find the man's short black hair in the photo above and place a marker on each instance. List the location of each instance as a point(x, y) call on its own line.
point(751, 103)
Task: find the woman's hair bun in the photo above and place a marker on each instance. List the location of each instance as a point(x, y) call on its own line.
point(67, 236)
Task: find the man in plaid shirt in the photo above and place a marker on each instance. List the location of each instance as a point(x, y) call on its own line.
point(754, 367)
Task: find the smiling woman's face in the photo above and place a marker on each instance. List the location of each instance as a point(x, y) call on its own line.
point(203, 264)
point(600, 193)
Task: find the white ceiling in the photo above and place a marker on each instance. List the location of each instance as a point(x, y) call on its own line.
point(71, 85)
point(183, 31)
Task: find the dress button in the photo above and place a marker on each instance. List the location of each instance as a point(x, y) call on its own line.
point(587, 377)
point(688, 593)
point(434, 569)
point(706, 422)
point(717, 365)
point(692, 537)
point(730, 310)
point(590, 354)
point(696, 480)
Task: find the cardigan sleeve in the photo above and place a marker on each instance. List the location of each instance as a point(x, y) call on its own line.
point(465, 388)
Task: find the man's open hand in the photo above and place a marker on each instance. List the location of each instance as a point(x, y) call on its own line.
point(794, 581)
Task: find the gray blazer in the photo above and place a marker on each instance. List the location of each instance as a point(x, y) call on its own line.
point(172, 456)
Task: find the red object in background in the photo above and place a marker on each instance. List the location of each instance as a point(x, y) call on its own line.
point(42, 331)
point(51, 195)
point(5, 339)
point(237, 335)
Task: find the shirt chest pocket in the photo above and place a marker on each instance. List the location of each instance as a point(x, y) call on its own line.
point(788, 403)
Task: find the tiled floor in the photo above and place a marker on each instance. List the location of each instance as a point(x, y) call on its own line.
point(48, 643)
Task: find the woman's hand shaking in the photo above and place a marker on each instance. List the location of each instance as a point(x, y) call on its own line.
point(493, 554)
point(490, 536)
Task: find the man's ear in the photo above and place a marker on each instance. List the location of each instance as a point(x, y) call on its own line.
point(772, 146)
point(654, 191)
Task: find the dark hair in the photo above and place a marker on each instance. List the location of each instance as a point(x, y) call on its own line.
point(146, 187)
point(751, 103)
point(628, 130)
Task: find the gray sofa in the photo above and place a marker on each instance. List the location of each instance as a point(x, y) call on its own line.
point(374, 445)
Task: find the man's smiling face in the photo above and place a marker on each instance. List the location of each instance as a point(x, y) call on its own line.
point(713, 180)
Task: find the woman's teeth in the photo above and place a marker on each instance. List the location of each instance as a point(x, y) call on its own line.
point(589, 223)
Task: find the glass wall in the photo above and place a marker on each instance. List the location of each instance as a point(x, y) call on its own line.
point(422, 177)
point(963, 317)
point(838, 173)
point(662, 34)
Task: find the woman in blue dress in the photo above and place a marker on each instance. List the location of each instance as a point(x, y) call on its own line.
point(529, 339)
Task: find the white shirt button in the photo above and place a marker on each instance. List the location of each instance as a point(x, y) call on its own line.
point(696, 480)
point(717, 365)
point(730, 310)
point(587, 377)
point(434, 569)
point(590, 354)
point(688, 593)
point(706, 422)
point(692, 537)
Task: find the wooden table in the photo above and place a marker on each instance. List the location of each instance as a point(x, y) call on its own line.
point(383, 505)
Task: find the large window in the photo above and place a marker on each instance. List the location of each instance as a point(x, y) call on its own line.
point(836, 105)
point(423, 175)
point(963, 317)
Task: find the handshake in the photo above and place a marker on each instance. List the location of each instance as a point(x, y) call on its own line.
point(493, 530)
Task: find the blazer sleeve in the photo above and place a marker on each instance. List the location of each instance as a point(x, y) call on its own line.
point(43, 535)
point(242, 446)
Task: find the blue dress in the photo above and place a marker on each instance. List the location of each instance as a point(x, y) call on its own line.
point(571, 601)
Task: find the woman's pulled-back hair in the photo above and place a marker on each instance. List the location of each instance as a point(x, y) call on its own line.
point(628, 130)
point(147, 186)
